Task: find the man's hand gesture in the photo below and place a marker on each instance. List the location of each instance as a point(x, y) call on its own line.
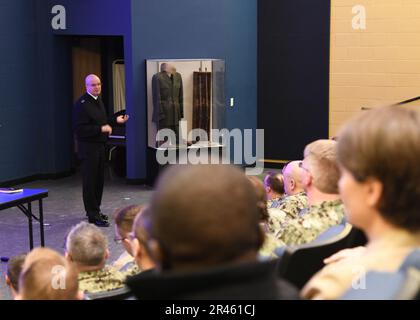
point(122, 119)
point(106, 129)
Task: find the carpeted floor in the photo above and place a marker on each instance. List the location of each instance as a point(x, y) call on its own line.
point(62, 209)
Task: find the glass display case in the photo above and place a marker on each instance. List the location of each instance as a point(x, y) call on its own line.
point(185, 102)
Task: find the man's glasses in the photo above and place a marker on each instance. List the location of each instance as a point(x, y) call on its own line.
point(302, 167)
point(130, 236)
point(119, 240)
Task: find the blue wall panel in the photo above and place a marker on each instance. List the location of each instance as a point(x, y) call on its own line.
point(20, 111)
point(35, 73)
point(223, 29)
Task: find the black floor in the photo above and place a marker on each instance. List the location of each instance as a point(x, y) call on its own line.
point(63, 209)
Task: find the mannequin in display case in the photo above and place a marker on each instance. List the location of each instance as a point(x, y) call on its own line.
point(168, 104)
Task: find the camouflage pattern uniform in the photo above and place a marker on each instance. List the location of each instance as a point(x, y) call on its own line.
point(102, 280)
point(285, 209)
point(270, 244)
point(130, 269)
point(126, 265)
point(313, 221)
point(273, 203)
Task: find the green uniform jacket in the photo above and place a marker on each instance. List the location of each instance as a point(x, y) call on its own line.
point(168, 101)
point(315, 221)
point(106, 279)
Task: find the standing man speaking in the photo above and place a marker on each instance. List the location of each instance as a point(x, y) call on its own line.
point(92, 128)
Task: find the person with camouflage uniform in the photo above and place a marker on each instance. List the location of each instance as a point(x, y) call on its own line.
point(320, 175)
point(124, 220)
point(105, 279)
point(317, 219)
point(271, 243)
point(286, 210)
point(274, 188)
point(288, 207)
point(87, 249)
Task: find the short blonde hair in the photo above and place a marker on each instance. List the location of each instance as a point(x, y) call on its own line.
point(321, 156)
point(46, 275)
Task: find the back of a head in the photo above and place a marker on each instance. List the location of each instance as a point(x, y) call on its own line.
point(87, 244)
point(204, 215)
point(142, 225)
point(384, 144)
point(322, 158)
point(275, 181)
point(292, 172)
point(14, 268)
point(124, 217)
point(46, 275)
point(164, 67)
point(261, 197)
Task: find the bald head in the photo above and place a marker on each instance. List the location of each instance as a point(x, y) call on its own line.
point(93, 85)
point(204, 215)
point(292, 178)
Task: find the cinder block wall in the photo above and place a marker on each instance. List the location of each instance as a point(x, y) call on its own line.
point(376, 66)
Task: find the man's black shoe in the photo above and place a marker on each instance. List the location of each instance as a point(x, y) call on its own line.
point(101, 215)
point(99, 222)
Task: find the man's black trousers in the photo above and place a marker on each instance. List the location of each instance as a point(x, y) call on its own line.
point(93, 167)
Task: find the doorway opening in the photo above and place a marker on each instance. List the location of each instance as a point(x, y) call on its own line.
point(104, 57)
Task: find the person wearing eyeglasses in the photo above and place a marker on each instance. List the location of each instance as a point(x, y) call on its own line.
point(139, 237)
point(292, 203)
point(320, 175)
point(124, 220)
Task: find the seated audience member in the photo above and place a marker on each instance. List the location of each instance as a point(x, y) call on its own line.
point(124, 219)
point(14, 267)
point(139, 236)
point(274, 188)
point(138, 242)
point(87, 249)
point(207, 248)
point(378, 153)
point(292, 202)
point(320, 177)
point(46, 275)
point(270, 242)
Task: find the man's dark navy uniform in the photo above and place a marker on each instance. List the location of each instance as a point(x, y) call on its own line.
point(92, 128)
